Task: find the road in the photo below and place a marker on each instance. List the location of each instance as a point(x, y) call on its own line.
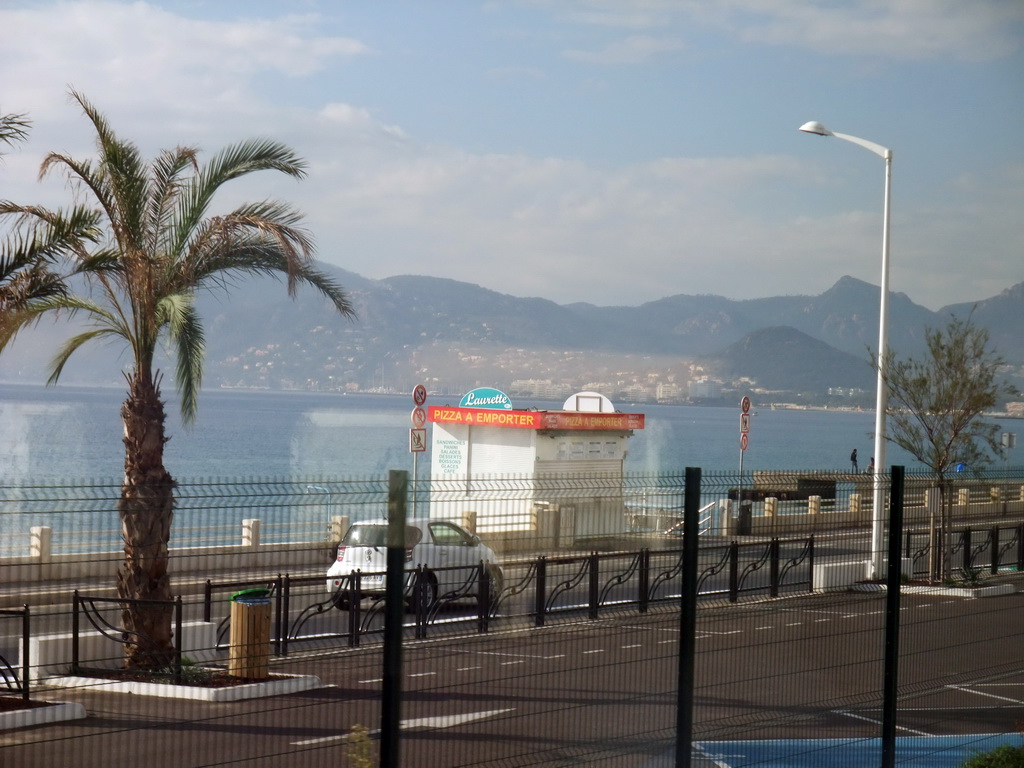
point(602, 693)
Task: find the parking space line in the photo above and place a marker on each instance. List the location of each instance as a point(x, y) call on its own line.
point(876, 721)
point(982, 693)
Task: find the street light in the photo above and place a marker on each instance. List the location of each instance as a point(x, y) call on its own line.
point(881, 396)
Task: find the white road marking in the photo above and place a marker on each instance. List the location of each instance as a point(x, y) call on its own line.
point(879, 722)
point(982, 693)
point(321, 740)
point(517, 655)
point(443, 721)
point(450, 721)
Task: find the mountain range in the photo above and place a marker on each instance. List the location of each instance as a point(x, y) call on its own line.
point(455, 335)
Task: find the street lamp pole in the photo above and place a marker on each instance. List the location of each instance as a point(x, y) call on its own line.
point(881, 395)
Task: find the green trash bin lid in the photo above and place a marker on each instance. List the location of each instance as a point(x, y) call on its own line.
point(248, 595)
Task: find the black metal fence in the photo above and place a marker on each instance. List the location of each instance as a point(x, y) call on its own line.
point(593, 616)
point(17, 678)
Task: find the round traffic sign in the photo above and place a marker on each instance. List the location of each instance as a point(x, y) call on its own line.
point(745, 404)
point(419, 417)
point(419, 394)
point(743, 441)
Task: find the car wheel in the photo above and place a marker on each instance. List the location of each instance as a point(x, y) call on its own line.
point(429, 594)
point(340, 600)
point(497, 582)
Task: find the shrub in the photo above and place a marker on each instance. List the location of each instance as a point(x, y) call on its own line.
point(1000, 757)
point(358, 749)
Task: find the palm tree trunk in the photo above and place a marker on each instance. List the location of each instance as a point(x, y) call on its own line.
point(146, 509)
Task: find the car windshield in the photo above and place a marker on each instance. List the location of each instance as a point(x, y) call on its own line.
point(376, 535)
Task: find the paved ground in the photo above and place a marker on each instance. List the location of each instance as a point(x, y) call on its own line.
point(776, 682)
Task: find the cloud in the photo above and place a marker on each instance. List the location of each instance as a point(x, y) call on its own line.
point(143, 55)
point(382, 200)
point(900, 29)
point(634, 49)
point(979, 30)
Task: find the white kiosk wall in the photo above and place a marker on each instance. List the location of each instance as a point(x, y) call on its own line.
point(533, 464)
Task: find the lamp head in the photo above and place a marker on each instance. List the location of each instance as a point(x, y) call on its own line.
point(815, 127)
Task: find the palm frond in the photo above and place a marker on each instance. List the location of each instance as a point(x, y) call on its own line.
point(263, 259)
point(231, 163)
point(166, 188)
point(71, 346)
point(186, 332)
point(14, 128)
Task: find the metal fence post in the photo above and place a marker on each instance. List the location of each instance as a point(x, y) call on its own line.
point(994, 538)
point(355, 585)
point(76, 606)
point(1020, 548)
point(538, 602)
point(688, 620)
point(645, 580)
point(177, 638)
point(890, 678)
point(208, 601)
point(773, 568)
point(734, 572)
point(595, 586)
point(484, 601)
point(286, 589)
point(279, 623)
point(394, 608)
point(26, 666)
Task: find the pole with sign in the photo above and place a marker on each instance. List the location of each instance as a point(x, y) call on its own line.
point(744, 442)
point(417, 436)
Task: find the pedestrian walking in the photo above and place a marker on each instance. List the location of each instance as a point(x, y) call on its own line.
point(853, 460)
point(871, 466)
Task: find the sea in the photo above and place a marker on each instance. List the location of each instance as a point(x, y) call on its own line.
point(74, 434)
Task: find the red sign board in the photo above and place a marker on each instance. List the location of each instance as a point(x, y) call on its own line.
point(568, 420)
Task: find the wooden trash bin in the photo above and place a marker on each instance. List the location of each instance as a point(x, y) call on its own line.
point(249, 639)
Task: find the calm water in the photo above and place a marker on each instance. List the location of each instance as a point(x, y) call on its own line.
point(72, 433)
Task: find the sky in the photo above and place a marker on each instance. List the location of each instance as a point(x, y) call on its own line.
point(604, 151)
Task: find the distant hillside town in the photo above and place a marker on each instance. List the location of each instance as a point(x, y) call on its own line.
point(454, 336)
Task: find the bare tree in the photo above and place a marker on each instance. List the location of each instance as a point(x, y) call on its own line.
point(936, 409)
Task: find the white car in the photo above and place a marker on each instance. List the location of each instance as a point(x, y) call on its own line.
point(448, 553)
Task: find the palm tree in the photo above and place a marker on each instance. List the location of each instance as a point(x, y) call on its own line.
point(151, 245)
point(25, 260)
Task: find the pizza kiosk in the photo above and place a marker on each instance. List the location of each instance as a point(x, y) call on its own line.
point(520, 474)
